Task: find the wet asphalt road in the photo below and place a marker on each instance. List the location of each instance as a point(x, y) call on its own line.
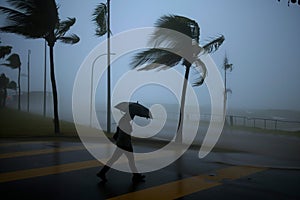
point(63, 169)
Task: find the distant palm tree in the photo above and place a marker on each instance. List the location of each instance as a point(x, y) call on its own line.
point(5, 84)
point(4, 81)
point(226, 66)
point(158, 58)
point(4, 51)
point(39, 19)
point(13, 61)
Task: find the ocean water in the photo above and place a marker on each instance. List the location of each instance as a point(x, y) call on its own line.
point(271, 119)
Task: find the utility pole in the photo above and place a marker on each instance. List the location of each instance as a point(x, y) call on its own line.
point(28, 79)
point(225, 90)
point(108, 70)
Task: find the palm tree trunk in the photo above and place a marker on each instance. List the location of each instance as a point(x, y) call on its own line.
point(225, 93)
point(54, 92)
point(179, 137)
point(19, 88)
point(4, 98)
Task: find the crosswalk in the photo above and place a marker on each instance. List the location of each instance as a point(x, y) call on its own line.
point(172, 190)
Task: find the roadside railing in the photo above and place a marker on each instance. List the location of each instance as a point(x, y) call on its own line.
point(265, 123)
point(238, 120)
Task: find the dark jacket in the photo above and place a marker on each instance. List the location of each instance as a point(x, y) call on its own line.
point(123, 138)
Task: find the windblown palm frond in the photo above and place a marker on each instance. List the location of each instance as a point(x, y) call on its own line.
point(13, 61)
point(155, 58)
point(4, 50)
point(30, 18)
point(173, 33)
point(64, 26)
point(37, 19)
point(100, 19)
point(214, 44)
point(186, 26)
point(71, 39)
point(203, 74)
point(228, 67)
point(226, 64)
point(14, 16)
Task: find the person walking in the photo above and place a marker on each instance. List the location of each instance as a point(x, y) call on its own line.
point(124, 144)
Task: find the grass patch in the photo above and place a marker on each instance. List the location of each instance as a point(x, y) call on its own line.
point(18, 123)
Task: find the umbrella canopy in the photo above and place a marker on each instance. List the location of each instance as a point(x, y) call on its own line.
point(134, 108)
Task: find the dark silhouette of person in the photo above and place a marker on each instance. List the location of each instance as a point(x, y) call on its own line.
point(123, 141)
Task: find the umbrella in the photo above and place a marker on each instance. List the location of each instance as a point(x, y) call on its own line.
point(135, 109)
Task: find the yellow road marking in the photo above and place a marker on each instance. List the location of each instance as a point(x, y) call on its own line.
point(44, 171)
point(4, 144)
point(180, 188)
point(41, 151)
point(56, 169)
point(50, 150)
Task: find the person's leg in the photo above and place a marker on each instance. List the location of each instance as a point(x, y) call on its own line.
point(116, 155)
point(131, 161)
point(137, 177)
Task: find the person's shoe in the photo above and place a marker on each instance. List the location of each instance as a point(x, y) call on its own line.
point(102, 176)
point(102, 173)
point(138, 178)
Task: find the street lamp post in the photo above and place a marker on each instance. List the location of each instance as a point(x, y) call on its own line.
point(92, 84)
point(45, 77)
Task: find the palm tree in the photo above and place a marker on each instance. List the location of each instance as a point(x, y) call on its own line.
point(59, 34)
point(5, 84)
point(163, 58)
point(226, 67)
point(39, 19)
point(101, 17)
point(4, 51)
point(4, 81)
point(13, 61)
point(3, 89)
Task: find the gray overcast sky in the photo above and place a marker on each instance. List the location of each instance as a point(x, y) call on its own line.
point(262, 41)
